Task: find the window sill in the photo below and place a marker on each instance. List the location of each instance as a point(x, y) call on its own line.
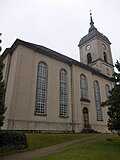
point(39, 114)
point(85, 100)
point(100, 120)
point(63, 116)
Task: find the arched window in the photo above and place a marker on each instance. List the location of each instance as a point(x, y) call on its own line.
point(41, 89)
point(89, 58)
point(105, 56)
point(83, 87)
point(63, 93)
point(97, 100)
point(107, 89)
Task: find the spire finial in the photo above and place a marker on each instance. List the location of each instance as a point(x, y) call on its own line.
point(90, 12)
point(91, 23)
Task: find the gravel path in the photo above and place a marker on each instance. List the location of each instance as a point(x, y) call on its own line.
point(30, 155)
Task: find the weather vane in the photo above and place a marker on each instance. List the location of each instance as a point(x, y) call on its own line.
point(90, 12)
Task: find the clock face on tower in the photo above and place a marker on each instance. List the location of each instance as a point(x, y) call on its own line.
point(87, 47)
point(103, 45)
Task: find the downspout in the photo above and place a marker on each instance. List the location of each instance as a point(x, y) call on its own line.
point(72, 98)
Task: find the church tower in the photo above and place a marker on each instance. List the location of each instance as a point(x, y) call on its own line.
point(95, 50)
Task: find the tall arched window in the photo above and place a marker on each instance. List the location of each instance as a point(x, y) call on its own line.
point(107, 89)
point(105, 56)
point(97, 100)
point(41, 89)
point(89, 58)
point(63, 94)
point(83, 87)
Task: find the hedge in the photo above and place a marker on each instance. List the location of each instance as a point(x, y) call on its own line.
point(11, 140)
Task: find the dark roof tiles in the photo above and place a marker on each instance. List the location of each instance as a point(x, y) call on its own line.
point(92, 34)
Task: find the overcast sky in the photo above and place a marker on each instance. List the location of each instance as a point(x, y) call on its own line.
point(59, 24)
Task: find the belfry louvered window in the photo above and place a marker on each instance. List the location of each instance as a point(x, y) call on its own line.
point(98, 101)
point(105, 56)
point(63, 93)
point(83, 87)
point(89, 58)
point(41, 89)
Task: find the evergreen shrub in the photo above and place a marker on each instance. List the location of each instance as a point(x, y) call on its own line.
point(11, 140)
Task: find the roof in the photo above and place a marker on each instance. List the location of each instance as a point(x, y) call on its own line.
point(48, 52)
point(93, 32)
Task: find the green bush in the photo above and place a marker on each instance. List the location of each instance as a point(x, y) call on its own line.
point(10, 140)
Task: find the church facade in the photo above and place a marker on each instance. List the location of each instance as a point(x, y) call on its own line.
point(49, 92)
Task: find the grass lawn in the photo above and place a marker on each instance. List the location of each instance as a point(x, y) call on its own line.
point(102, 149)
point(36, 141)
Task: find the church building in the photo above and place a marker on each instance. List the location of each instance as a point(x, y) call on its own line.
point(49, 92)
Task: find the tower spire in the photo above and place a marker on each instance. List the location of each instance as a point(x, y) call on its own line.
point(91, 20)
point(92, 27)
